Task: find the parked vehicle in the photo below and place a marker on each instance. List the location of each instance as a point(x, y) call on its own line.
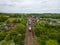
point(29, 29)
point(29, 21)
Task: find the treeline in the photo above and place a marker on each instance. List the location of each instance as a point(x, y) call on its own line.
point(2, 18)
point(16, 15)
point(46, 15)
point(16, 34)
point(43, 15)
point(47, 34)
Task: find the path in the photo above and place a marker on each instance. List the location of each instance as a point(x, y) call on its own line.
point(30, 37)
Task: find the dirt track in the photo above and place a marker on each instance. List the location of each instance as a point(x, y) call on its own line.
point(30, 37)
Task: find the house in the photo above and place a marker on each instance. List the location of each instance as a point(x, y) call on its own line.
point(34, 19)
point(53, 23)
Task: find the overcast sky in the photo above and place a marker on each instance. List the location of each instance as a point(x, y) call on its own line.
point(30, 6)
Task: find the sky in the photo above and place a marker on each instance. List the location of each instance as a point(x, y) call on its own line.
point(30, 6)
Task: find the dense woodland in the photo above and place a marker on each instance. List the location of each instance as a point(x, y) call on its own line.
point(47, 34)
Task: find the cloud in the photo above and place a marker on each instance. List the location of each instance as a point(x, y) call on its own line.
point(30, 6)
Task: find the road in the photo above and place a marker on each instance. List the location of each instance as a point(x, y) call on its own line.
point(30, 36)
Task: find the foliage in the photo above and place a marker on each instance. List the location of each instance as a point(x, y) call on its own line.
point(51, 42)
point(17, 34)
point(24, 21)
point(7, 22)
point(2, 35)
point(45, 32)
point(2, 18)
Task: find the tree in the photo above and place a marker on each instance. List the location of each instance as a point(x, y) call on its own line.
point(8, 22)
point(2, 35)
point(2, 18)
point(51, 42)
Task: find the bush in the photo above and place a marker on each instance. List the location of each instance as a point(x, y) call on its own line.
point(2, 35)
point(51, 42)
point(2, 19)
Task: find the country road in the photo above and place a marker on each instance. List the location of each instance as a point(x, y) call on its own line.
point(30, 36)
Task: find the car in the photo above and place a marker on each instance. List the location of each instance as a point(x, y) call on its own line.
point(29, 28)
point(29, 23)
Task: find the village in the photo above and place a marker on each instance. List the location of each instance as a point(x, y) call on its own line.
point(25, 29)
point(49, 21)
